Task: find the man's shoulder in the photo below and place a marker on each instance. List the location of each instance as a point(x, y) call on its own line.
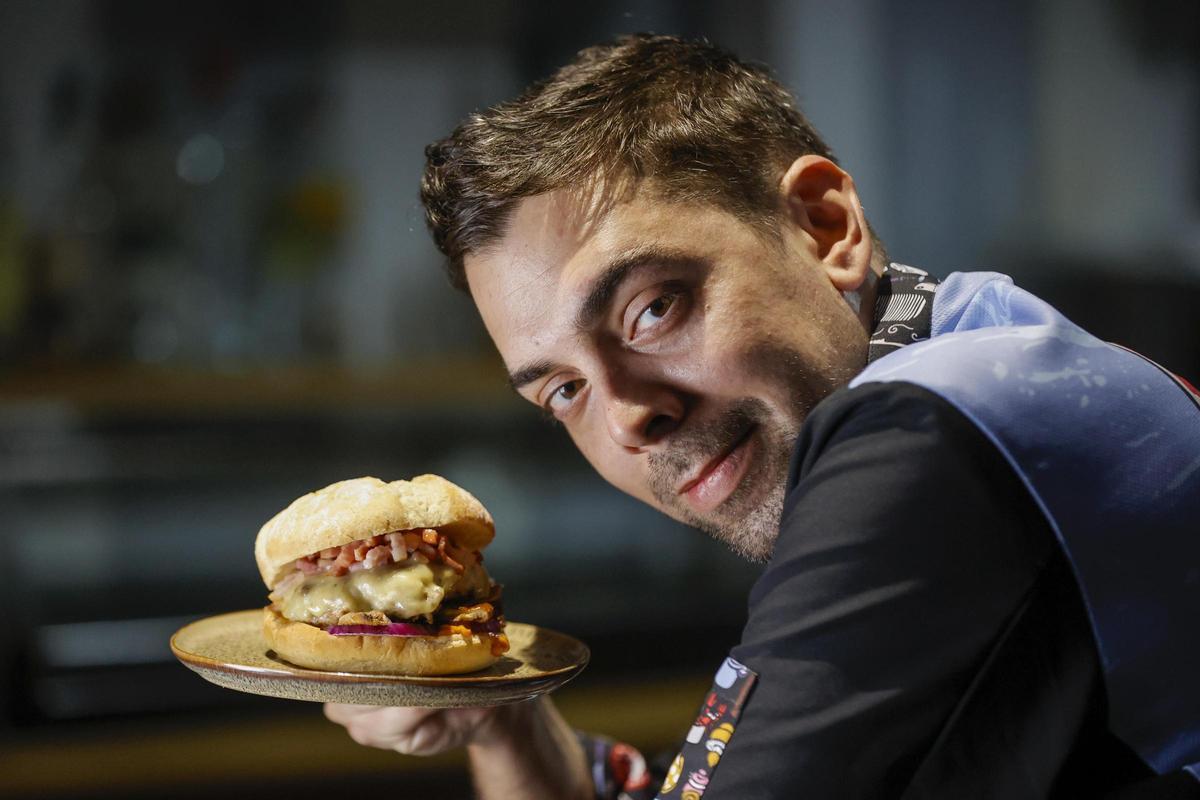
point(883, 419)
point(894, 467)
point(902, 535)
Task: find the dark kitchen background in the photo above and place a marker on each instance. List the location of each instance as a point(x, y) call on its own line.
point(217, 293)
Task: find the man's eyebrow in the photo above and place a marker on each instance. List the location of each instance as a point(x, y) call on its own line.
point(605, 285)
point(529, 373)
point(597, 300)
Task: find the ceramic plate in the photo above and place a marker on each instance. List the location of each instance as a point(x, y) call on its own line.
point(229, 650)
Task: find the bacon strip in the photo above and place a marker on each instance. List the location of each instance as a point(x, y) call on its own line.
point(447, 558)
point(399, 548)
point(341, 564)
point(364, 618)
point(423, 546)
point(376, 556)
point(480, 612)
point(307, 567)
point(285, 585)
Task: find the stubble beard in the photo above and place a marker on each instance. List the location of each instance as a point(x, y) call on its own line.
point(748, 520)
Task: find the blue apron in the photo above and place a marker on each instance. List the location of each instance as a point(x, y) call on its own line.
point(1108, 445)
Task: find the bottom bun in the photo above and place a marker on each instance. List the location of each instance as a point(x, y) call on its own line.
point(309, 646)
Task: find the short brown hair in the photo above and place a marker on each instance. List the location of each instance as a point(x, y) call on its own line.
point(704, 125)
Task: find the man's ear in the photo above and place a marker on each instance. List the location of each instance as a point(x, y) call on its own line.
point(822, 205)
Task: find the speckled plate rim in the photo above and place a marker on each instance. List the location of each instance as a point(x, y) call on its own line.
point(288, 672)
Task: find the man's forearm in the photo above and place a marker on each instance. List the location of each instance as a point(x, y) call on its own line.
point(533, 754)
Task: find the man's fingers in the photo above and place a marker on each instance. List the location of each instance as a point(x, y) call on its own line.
point(342, 713)
point(413, 731)
point(427, 739)
point(365, 733)
point(421, 732)
point(379, 726)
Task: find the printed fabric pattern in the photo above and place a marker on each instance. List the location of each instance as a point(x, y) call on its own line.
point(689, 774)
point(619, 771)
point(903, 309)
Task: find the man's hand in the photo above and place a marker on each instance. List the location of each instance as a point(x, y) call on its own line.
point(414, 731)
point(523, 750)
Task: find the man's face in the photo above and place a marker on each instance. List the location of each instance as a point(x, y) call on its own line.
point(680, 347)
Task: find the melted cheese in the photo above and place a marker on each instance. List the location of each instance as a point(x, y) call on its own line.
point(404, 591)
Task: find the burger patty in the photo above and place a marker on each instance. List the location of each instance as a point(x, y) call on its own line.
point(406, 591)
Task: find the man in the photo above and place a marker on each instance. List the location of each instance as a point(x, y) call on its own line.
point(672, 265)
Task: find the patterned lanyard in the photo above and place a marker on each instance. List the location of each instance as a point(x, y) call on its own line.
point(903, 309)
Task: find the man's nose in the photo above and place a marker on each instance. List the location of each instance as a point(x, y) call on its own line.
point(639, 419)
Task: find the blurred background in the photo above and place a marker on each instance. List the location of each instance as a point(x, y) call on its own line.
point(217, 293)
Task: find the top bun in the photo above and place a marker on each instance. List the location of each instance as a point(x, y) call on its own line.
point(347, 511)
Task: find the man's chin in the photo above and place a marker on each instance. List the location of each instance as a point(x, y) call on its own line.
point(754, 546)
point(749, 528)
point(753, 472)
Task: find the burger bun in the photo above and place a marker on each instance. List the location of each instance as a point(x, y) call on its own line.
point(309, 646)
point(356, 509)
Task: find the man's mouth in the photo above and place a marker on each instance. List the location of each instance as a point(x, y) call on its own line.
point(718, 478)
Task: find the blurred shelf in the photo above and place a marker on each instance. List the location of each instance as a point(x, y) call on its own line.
point(287, 751)
point(134, 389)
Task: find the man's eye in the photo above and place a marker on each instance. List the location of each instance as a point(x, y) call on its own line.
point(654, 313)
point(567, 390)
point(563, 395)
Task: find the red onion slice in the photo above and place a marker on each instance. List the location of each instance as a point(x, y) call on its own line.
point(391, 629)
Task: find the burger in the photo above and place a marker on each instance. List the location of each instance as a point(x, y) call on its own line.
point(368, 576)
